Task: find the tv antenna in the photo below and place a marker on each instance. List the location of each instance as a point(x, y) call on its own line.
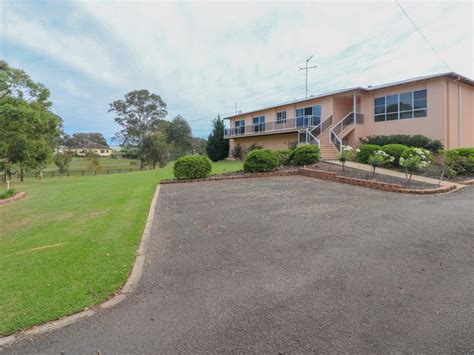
point(306, 68)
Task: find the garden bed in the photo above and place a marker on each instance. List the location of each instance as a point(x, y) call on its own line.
point(365, 175)
point(434, 172)
point(16, 196)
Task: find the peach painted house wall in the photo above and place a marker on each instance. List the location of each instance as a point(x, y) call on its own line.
point(450, 113)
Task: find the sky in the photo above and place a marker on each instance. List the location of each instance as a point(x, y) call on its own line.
point(204, 58)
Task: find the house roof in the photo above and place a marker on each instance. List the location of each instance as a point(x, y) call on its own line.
point(451, 75)
point(92, 146)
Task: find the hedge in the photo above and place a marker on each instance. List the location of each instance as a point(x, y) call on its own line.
point(305, 155)
point(396, 151)
point(192, 167)
point(283, 156)
point(365, 151)
point(261, 160)
point(419, 141)
point(460, 160)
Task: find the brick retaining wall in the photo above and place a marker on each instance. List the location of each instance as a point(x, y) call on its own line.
point(325, 175)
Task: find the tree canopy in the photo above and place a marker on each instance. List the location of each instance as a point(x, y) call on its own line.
point(217, 147)
point(178, 134)
point(139, 114)
point(80, 139)
point(28, 129)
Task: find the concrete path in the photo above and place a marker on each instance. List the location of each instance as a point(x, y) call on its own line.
point(292, 264)
point(388, 172)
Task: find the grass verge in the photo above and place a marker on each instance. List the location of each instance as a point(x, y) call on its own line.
point(72, 242)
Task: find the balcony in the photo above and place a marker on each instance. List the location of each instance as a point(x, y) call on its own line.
point(288, 125)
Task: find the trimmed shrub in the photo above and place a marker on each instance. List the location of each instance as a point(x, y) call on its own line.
point(419, 141)
point(305, 155)
point(460, 161)
point(283, 156)
point(261, 160)
point(396, 151)
point(192, 167)
point(365, 151)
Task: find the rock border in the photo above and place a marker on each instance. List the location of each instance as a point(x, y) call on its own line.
point(129, 286)
point(329, 176)
point(377, 185)
point(17, 196)
point(234, 177)
point(467, 182)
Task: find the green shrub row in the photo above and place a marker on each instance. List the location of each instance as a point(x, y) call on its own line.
point(265, 160)
point(460, 161)
point(419, 141)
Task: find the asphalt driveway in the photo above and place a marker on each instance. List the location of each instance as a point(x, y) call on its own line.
point(293, 264)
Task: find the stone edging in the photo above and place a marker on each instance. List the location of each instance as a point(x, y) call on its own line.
point(325, 175)
point(17, 196)
point(467, 182)
point(119, 296)
point(234, 177)
point(383, 186)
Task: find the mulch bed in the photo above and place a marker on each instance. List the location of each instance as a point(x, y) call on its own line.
point(360, 174)
point(434, 171)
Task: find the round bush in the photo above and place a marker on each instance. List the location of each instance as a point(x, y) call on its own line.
point(365, 151)
point(395, 150)
point(305, 155)
point(261, 160)
point(192, 167)
point(283, 156)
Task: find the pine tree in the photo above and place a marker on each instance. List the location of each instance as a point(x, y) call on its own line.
point(217, 147)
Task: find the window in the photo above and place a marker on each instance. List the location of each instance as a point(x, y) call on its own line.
point(281, 117)
point(102, 151)
point(240, 127)
point(308, 116)
point(400, 106)
point(259, 124)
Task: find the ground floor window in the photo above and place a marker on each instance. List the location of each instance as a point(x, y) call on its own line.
point(401, 106)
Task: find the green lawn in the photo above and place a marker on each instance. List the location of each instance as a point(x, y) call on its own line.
point(71, 242)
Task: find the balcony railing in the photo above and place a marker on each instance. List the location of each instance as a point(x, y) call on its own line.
point(273, 126)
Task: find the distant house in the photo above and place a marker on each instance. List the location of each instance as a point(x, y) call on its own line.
point(100, 149)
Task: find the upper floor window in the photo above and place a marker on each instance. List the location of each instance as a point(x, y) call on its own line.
point(400, 106)
point(308, 116)
point(281, 117)
point(259, 124)
point(240, 127)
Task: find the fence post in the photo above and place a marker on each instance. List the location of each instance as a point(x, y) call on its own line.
point(82, 172)
point(52, 173)
point(108, 172)
point(120, 170)
point(130, 169)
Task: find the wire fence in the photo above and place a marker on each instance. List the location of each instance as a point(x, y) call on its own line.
point(72, 172)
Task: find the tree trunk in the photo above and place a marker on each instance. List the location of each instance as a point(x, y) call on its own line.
point(21, 172)
point(142, 164)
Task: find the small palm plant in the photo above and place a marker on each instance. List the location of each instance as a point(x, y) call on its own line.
point(378, 159)
point(345, 155)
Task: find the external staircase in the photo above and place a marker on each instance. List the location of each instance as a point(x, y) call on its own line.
point(329, 136)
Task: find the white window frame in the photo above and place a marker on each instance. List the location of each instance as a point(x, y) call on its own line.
point(398, 101)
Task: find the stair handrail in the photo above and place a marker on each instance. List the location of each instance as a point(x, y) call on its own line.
point(339, 127)
point(321, 126)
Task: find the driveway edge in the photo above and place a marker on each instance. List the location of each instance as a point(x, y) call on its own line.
point(129, 286)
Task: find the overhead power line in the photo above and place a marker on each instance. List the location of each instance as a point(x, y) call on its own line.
point(422, 35)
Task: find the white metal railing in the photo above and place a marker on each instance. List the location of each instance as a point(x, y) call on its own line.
point(308, 121)
point(349, 120)
point(311, 136)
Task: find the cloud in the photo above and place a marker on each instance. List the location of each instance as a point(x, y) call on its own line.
point(202, 58)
